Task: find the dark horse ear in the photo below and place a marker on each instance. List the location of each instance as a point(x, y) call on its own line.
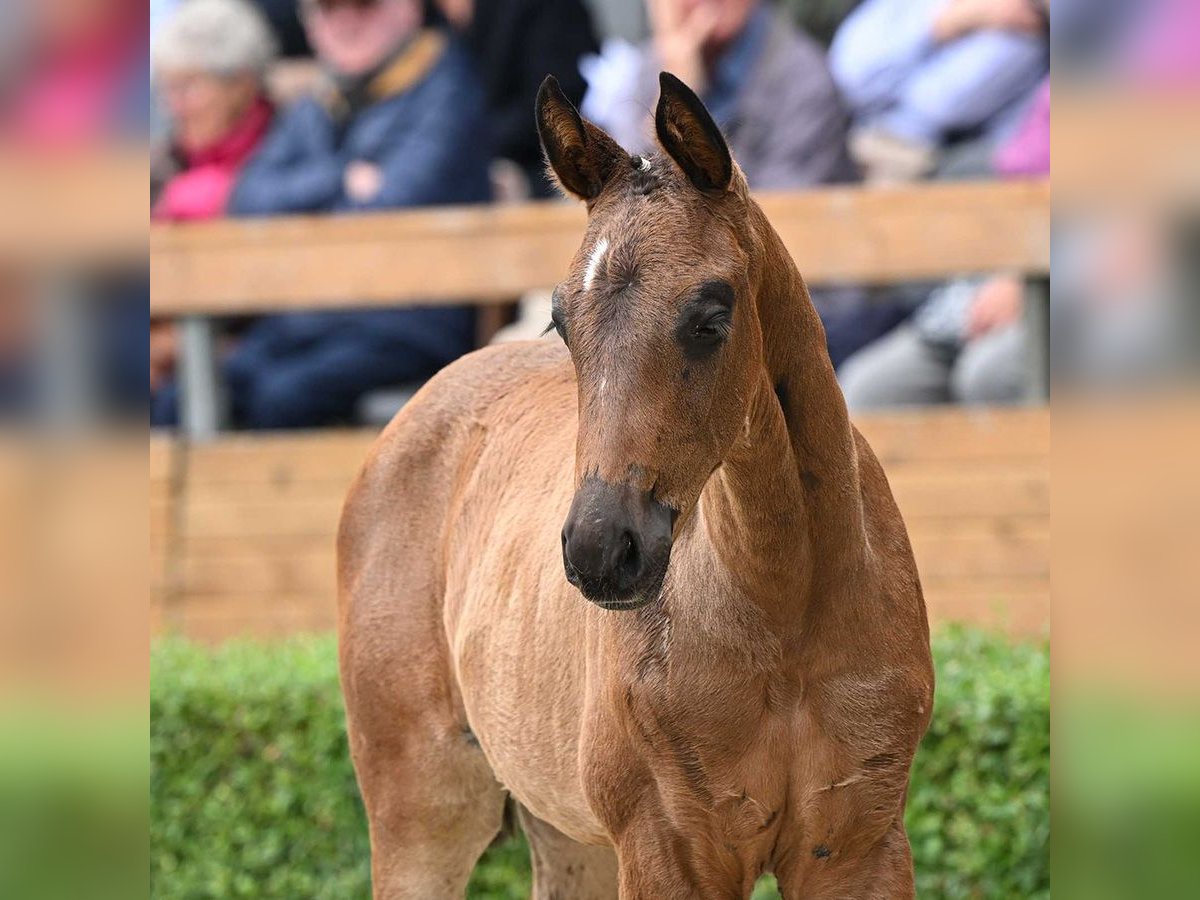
point(688, 133)
point(581, 156)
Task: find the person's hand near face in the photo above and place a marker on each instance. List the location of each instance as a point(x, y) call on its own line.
point(458, 13)
point(682, 29)
point(363, 181)
point(688, 34)
point(962, 17)
point(998, 303)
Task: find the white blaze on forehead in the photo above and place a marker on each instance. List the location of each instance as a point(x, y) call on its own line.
point(594, 260)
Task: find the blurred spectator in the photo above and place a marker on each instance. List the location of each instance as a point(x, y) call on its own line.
point(921, 74)
point(768, 87)
point(1027, 151)
point(398, 122)
point(72, 78)
point(517, 43)
point(285, 19)
point(1088, 35)
point(963, 345)
point(765, 83)
point(209, 60)
point(82, 75)
point(160, 13)
point(17, 336)
point(820, 18)
point(967, 341)
point(1119, 322)
point(1165, 52)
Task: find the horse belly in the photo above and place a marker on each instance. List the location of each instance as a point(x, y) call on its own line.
point(519, 657)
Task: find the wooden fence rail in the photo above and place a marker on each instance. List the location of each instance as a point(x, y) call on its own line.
point(495, 254)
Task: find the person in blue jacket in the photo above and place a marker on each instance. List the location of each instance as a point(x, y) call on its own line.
point(398, 122)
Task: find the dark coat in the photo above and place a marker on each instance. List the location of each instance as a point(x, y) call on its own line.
point(430, 141)
point(429, 138)
point(517, 43)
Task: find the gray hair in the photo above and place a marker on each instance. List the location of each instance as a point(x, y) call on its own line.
point(220, 37)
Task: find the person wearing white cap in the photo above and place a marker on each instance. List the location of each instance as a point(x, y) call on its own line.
point(209, 60)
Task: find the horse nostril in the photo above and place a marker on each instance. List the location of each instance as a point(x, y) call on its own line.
point(631, 557)
point(572, 573)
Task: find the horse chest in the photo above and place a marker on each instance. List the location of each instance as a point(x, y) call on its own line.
point(751, 765)
point(662, 752)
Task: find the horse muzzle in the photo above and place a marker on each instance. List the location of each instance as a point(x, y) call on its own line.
point(617, 544)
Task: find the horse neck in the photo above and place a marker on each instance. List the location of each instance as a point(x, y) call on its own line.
point(786, 502)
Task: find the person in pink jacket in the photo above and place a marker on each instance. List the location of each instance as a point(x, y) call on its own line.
point(72, 74)
point(208, 62)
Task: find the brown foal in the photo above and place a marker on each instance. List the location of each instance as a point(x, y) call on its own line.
point(746, 688)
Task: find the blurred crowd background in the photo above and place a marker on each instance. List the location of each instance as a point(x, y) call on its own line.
point(331, 107)
point(252, 108)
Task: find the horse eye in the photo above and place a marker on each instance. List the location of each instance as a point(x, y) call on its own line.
point(701, 336)
point(556, 318)
point(715, 326)
point(557, 324)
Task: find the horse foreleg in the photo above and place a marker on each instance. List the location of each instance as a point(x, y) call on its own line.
point(432, 802)
point(565, 868)
point(883, 872)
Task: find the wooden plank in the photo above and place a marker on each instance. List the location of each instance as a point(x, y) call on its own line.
point(498, 252)
point(325, 456)
point(929, 436)
point(962, 559)
point(973, 556)
point(74, 208)
point(163, 509)
point(162, 453)
point(259, 513)
point(1018, 613)
point(305, 519)
point(969, 565)
point(1017, 609)
point(1124, 148)
point(265, 510)
point(212, 619)
point(937, 435)
point(268, 573)
point(956, 495)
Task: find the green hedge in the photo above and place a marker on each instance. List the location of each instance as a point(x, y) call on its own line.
point(252, 793)
point(73, 809)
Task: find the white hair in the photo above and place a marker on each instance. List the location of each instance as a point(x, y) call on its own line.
point(220, 37)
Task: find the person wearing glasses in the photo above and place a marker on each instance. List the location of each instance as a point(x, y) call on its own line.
point(209, 61)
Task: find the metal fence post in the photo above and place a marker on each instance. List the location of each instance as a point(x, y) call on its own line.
point(1037, 337)
point(201, 398)
point(69, 368)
